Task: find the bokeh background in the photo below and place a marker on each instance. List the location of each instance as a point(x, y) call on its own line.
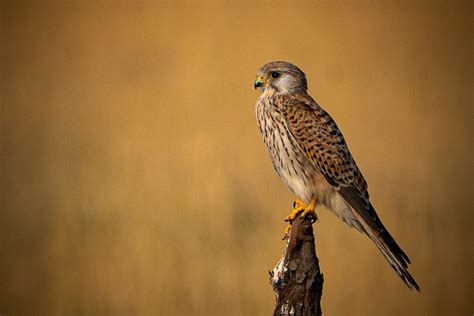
point(134, 180)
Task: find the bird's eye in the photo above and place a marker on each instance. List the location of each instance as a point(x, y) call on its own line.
point(274, 74)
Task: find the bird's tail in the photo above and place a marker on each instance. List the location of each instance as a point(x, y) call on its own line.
point(391, 252)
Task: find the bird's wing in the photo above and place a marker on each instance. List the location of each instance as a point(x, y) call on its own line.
point(323, 144)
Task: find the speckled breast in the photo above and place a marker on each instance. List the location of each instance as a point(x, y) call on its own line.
point(288, 160)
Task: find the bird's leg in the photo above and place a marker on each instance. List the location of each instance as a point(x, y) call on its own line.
point(309, 209)
point(298, 207)
point(286, 234)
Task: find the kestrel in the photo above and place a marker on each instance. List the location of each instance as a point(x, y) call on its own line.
point(310, 154)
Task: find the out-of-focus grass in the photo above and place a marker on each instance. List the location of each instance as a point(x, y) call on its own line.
point(133, 179)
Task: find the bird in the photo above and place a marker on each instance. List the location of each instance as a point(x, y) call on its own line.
point(311, 156)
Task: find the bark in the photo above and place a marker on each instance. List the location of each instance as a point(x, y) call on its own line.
point(297, 279)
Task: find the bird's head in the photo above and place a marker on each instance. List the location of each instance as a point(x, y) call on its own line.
point(280, 77)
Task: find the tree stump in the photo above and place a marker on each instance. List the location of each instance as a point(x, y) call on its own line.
point(297, 279)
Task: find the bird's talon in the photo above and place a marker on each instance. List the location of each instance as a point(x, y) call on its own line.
point(287, 232)
point(298, 207)
point(309, 210)
point(298, 204)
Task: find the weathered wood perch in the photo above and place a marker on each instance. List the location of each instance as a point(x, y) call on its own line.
point(296, 278)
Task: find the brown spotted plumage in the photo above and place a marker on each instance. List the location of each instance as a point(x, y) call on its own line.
point(309, 153)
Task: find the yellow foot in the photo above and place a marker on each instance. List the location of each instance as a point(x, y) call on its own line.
point(298, 207)
point(309, 209)
point(287, 232)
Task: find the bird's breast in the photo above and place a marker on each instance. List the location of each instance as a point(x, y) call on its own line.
point(288, 160)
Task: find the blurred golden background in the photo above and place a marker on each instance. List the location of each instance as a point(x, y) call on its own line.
point(134, 180)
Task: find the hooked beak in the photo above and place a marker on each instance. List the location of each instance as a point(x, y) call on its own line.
point(259, 82)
